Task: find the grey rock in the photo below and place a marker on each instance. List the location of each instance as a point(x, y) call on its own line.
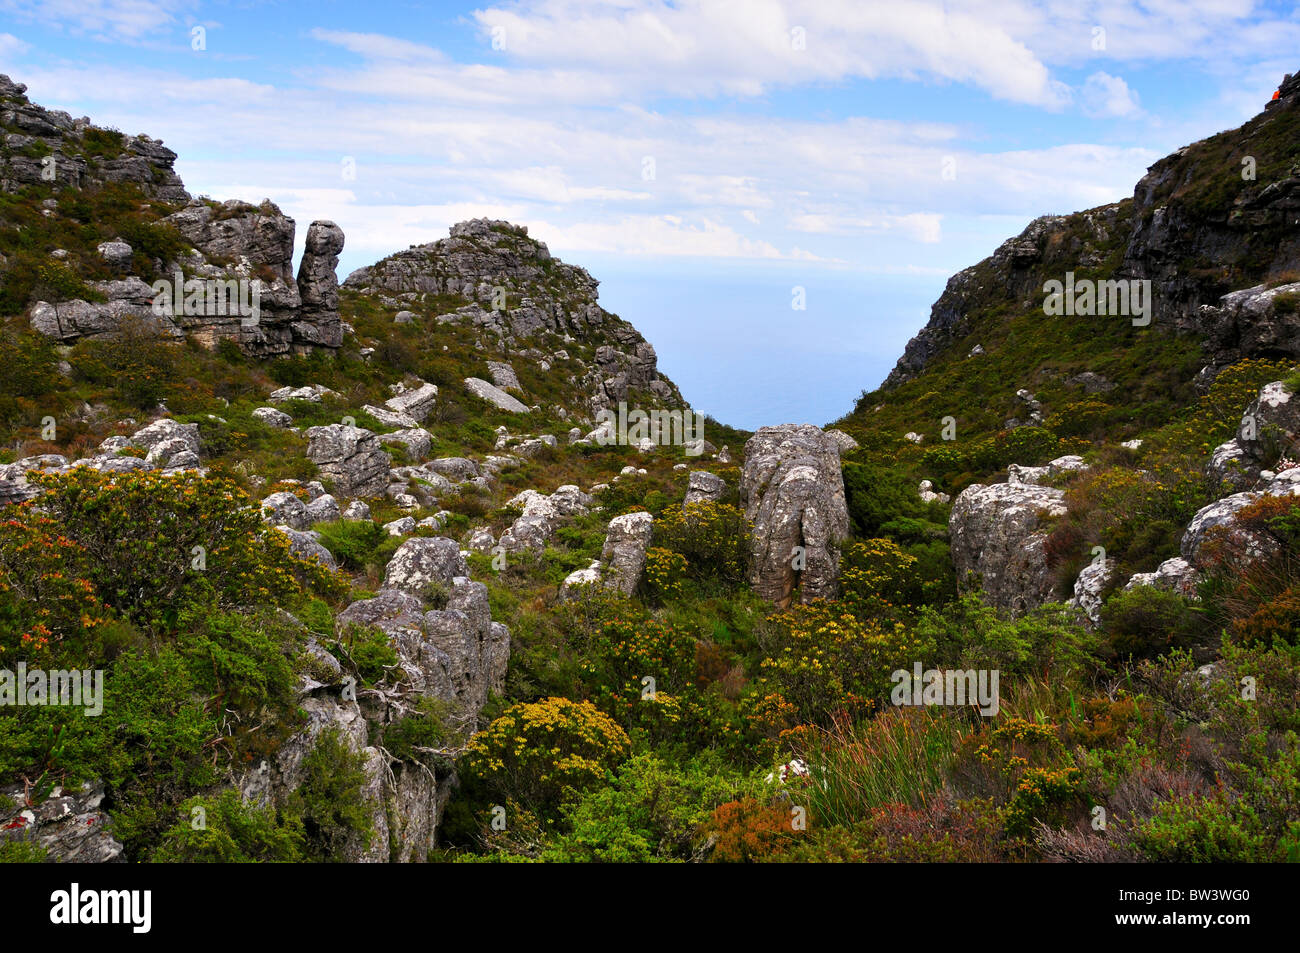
point(995, 533)
point(703, 486)
point(424, 560)
point(351, 457)
point(792, 491)
point(494, 395)
point(623, 556)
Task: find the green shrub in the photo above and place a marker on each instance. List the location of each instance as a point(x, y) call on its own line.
point(223, 829)
point(330, 801)
point(1145, 621)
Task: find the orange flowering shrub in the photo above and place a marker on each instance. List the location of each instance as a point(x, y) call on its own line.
point(748, 830)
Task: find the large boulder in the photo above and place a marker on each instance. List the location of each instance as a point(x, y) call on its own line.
point(995, 534)
point(351, 457)
point(792, 492)
point(494, 395)
point(623, 556)
point(423, 561)
point(704, 487)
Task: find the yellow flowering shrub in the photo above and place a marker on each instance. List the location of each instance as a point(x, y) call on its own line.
point(539, 754)
point(664, 572)
point(823, 661)
point(713, 538)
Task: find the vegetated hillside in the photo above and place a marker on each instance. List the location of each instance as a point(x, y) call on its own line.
point(1195, 227)
point(365, 582)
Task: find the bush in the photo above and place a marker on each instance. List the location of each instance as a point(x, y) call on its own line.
point(713, 537)
point(1145, 622)
point(664, 571)
point(540, 754)
point(653, 811)
point(156, 543)
point(137, 362)
point(331, 802)
point(224, 830)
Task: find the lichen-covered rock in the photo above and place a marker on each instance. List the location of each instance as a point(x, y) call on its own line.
point(541, 516)
point(285, 508)
point(995, 534)
point(417, 441)
point(69, 824)
point(1093, 579)
point(704, 487)
point(623, 557)
point(1271, 422)
point(456, 469)
point(350, 457)
point(1232, 465)
point(323, 509)
point(306, 545)
point(792, 492)
point(273, 418)
point(503, 375)
point(843, 441)
point(494, 395)
point(416, 401)
point(423, 561)
point(1176, 575)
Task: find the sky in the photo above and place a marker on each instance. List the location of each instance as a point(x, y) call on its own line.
point(773, 193)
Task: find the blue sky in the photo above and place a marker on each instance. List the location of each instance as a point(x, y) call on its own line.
point(702, 159)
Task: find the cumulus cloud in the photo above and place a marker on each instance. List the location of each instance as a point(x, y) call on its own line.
point(1105, 96)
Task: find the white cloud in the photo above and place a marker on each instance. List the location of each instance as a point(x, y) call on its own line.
point(1105, 96)
point(111, 19)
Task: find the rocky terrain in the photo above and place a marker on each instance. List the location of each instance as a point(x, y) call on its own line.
point(369, 576)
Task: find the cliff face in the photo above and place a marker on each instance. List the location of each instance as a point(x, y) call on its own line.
point(1217, 216)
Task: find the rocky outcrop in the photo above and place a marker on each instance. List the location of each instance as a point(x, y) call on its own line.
point(350, 457)
point(623, 557)
point(704, 487)
point(541, 516)
point(996, 533)
point(515, 292)
point(1180, 231)
point(792, 491)
point(242, 254)
point(47, 146)
point(69, 825)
